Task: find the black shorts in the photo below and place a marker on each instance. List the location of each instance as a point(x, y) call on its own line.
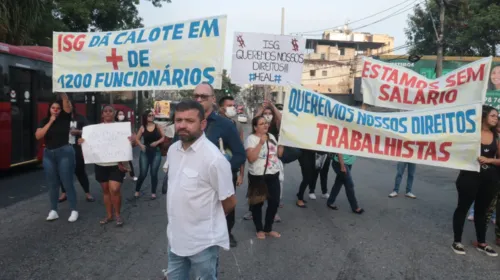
point(105, 174)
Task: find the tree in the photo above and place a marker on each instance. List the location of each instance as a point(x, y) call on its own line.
point(227, 88)
point(18, 19)
point(472, 28)
point(39, 18)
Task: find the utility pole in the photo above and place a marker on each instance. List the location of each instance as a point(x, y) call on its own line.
point(440, 39)
point(281, 94)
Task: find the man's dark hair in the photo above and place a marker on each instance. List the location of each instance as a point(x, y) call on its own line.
point(186, 105)
point(224, 98)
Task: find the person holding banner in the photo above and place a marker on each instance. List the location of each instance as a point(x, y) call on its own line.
point(150, 156)
point(110, 175)
point(479, 186)
point(342, 165)
point(58, 155)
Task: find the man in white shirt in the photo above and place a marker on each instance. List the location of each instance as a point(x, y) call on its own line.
point(200, 195)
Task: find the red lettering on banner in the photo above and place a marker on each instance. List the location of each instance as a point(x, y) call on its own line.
point(366, 67)
point(65, 43)
point(344, 139)
point(333, 133)
point(465, 76)
point(375, 69)
point(393, 78)
point(357, 141)
point(321, 127)
point(386, 69)
point(408, 82)
point(402, 95)
point(442, 149)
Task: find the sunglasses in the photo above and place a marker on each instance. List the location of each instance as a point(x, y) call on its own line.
point(151, 115)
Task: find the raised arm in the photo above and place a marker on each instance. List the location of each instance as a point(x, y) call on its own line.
point(66, 103)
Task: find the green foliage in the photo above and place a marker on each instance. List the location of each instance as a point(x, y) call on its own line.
point(228, 88)
point(472, 28)
point(32, 21)
point(19, 19)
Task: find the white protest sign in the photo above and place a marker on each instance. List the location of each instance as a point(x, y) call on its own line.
point(391, 86)
point(267, 59)
point(107, 142)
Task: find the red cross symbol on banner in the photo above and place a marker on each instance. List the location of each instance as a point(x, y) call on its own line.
point(114, 59)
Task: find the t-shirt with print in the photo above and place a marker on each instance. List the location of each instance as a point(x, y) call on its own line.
point(58, 133)
point(257, 167)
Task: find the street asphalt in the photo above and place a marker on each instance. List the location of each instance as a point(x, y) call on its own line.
point(396, 238)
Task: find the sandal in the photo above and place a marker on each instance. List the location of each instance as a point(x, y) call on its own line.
point(119, 222)
point(63, 199)
point(90, 199)
point(261, 235)
point(105, 221)
point(274, 234)
point(300, 206)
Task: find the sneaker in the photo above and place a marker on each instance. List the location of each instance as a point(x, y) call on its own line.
point(232, 242)
point(470, 218)
point(410, 195)
point(135, 178)
point(52, 215)
point(73, 217)
point(487, 250)
point(393, 194)
point(458, 248)
point(277, 218)
point(312, 196)
point(248, 216)
point(325, 196)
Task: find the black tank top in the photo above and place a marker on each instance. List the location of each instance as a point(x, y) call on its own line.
point(150, 137)
point(489, 150)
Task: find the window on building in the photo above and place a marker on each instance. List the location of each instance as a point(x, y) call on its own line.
point(342, 51)
point(324, 73)
point(312, 73)
point(323, 56)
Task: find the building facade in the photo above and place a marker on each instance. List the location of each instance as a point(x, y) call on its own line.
point(331, 63)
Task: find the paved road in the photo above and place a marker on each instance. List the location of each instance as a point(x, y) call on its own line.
point(395, 239)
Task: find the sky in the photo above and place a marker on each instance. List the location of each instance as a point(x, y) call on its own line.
point(264, 16)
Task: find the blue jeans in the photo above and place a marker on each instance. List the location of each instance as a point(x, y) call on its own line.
point(346, 180)
point(59, 167)
point(150, 159)
point(399, 176)
point(202, 266)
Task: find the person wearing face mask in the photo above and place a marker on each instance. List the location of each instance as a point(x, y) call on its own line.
point(228, 110)
point(121, 117)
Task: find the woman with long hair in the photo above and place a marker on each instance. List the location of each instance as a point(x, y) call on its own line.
point(121, 117)
point(110, 176)
point(479, 186)
point(262, 155)
point(76, 125)
point(58, 155)
point(150, 157)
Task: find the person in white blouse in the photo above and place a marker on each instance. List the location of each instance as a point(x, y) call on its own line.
point(200, 195)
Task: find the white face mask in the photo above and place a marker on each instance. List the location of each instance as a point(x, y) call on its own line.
point(230, 112)
point(268, 118)
point(121, 117)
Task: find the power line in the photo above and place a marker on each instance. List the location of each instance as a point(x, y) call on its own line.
point(398, 12)
point(367, 17)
